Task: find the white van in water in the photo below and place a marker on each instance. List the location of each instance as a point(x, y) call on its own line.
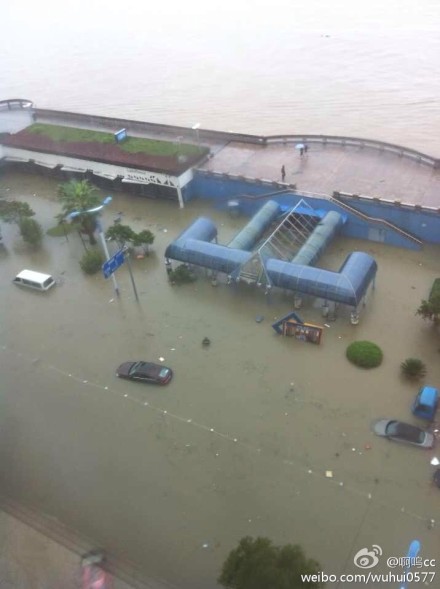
point(34, 280)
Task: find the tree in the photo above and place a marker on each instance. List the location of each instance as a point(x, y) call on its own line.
point(12, 211)
point(258, 564)
point(430, 309)
point(121, 234)
point(145, 238)
point(80, 196)
point(91, 262)
point(31, 231)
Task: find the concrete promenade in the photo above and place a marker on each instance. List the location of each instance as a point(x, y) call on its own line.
point(352, 165)
point(349, 165)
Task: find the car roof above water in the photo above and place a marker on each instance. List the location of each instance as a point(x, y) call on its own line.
point(32, 275)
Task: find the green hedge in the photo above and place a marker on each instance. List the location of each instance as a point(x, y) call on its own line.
point(364, 354)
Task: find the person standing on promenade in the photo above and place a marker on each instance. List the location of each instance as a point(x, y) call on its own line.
point(283, 173)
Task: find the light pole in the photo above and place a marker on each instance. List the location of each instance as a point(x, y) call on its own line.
point(196, 128)
point(98, 209)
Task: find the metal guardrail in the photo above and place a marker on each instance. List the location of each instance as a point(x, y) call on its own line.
point(357, 142)
point(376, 220)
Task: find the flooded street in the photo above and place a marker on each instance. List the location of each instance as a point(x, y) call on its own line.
point(171, 478)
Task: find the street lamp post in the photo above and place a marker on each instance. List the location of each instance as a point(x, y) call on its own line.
point(95, 210)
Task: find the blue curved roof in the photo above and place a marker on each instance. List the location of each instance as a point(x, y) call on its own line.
point(202, 228)
point(252, 231)
point(347, 286)
point(209, 255)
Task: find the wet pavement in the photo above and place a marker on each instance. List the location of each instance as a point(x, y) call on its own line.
point(326, 168)
point(171, 478)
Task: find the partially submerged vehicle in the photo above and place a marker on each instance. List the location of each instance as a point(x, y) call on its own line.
point(426, 403)
point(145, 372)
point(34, 280)
point(403, 432)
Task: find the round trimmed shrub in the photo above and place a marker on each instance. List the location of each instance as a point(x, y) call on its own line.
point(92, 261)
point(364, 354)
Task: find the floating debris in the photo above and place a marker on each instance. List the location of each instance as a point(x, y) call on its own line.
point(206, 342)
point(353, 449)
point(310, 471)
point(431, 524)
point(367, 446)
point(111, 300)
point(326, 325)
point(329, 474)
point(259, 318)
point(161, 359)
point(172, 349)
point(435, 461)
point(205, 545)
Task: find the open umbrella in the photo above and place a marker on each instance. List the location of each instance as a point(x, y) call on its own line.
point(299, 146)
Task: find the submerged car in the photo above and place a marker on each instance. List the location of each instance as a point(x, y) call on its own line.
point(145, 372)
point(426, 402)
point(403, 432)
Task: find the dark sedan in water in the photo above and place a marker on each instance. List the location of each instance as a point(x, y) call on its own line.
point(145, 372)
point(403, 432)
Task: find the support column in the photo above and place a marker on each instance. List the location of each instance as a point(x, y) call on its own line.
point(180, 197)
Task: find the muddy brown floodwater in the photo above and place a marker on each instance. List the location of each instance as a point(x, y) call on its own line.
point(171, 478)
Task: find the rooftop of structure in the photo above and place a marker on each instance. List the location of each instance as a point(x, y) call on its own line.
point(367, 171)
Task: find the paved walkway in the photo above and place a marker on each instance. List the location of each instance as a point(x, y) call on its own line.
point(365, 171)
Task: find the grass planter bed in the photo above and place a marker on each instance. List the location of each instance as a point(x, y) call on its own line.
point(364, 354)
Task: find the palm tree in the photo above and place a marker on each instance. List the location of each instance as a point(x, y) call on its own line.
point(80, 195)
point(413, 368)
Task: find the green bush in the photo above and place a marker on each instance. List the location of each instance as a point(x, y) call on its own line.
point(31, 231)
point(91, 261)
point(182, 275)
point(413, 368)
point(364, 354)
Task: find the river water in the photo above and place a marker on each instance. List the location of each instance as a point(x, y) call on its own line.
point(172, 478)
point(365, 69)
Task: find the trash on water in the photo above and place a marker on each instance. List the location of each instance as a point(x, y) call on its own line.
point(172, 349)
point(259, 318)
point(431, 524)
point(353, 449)
point(205, 545)
point(161, 359)
point(329, 474)
point(341, 484)
point(111, 300)
point(310, 471)
point(367, 446)
point(326, 325)
point(435, 461)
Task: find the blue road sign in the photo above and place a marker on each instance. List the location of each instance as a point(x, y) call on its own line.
point(113, 264)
